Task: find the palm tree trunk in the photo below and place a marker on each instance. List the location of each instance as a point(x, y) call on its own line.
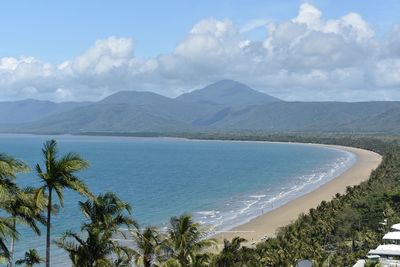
point(12, 242)
point(146, 261)
point(48, 229)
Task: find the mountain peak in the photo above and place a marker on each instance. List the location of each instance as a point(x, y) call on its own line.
point(228, 92)
point(134, 97)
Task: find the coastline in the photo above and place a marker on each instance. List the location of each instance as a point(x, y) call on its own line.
point(268, 223)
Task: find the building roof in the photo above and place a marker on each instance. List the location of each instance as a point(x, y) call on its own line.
point(359, 263)
point(396, 227)
point(389, 250)
point(392, 236)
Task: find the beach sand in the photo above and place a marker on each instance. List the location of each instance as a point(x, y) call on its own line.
point(268, 223)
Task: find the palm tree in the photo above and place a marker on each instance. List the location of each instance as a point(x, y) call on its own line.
point(31, 258)
point(59, 174)
point(230, 254)
point(6, 231)
point(9, 167)
point(106, 215)
point(107, 212)
point(21, 206)
point(96, 248)
point(147, 242)
point(186, 239)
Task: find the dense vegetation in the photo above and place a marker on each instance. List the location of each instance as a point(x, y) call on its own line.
point(336, 233)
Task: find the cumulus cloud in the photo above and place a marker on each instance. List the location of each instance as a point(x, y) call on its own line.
point(305, 58)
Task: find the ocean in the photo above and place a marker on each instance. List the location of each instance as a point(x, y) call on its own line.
point(221, 183)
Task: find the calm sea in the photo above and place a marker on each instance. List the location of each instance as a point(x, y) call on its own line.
point(221, 183)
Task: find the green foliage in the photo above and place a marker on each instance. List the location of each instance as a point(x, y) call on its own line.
point(105, 215)
point(31, 258)
point(344, 229)
point(147, 246)
point(59, 173)
point(13, 201)
point(336, 233)
point(185, 241)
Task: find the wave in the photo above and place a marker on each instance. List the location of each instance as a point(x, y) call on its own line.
point(241, 209)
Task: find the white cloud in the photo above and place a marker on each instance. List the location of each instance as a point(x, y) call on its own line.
point(305, 58)
point(104, 56)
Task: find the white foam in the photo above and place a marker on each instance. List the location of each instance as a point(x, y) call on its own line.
point(244, 208)
point(208, 212)
point(258, 196)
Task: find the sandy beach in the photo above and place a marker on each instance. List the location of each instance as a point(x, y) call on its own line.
point(268, 223)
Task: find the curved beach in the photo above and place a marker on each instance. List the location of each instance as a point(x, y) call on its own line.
point(268, 223)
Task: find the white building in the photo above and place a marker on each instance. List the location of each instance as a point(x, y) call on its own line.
point(388, 254)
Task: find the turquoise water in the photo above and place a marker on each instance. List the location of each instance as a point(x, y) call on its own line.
point(221, 183)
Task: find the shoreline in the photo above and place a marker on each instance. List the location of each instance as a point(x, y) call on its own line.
point(268, 223)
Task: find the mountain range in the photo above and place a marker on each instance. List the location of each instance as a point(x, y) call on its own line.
point(222, 106)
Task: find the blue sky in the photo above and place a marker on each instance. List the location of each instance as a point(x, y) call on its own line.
point(57, 30)
point(297, 50)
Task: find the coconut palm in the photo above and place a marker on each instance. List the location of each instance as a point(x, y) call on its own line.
point(9, 167)
point(105, 216)
point(57, 175)
point(107, 212)
point(6, 231)
point(146, 243)
point(21, 206)
point(31, 258)
point(186, 239)
point(230, 254)
point(96, 248)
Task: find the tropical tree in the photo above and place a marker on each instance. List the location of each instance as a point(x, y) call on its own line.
point(59, 173)
point(9, 168)
point(107, 212)
point(21, 206)
point(147, 243)
point(6, 231)
point(186, 239)
point(230, 254)
point(99, 246)
point(31, 258)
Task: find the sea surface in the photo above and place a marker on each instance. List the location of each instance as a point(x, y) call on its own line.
point(221, 183)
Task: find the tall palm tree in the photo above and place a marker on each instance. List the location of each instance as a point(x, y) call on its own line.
point(146, 243)
point(31, 258)
point(186, 239)
point(106, 215)
point(57, 175)
point(21, 206)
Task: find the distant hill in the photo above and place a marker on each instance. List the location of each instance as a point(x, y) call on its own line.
point(223, 106)
point(312, 116)
point(31, 110)
point(228, 92)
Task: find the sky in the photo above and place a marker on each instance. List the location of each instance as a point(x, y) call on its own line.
point(318, 50)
